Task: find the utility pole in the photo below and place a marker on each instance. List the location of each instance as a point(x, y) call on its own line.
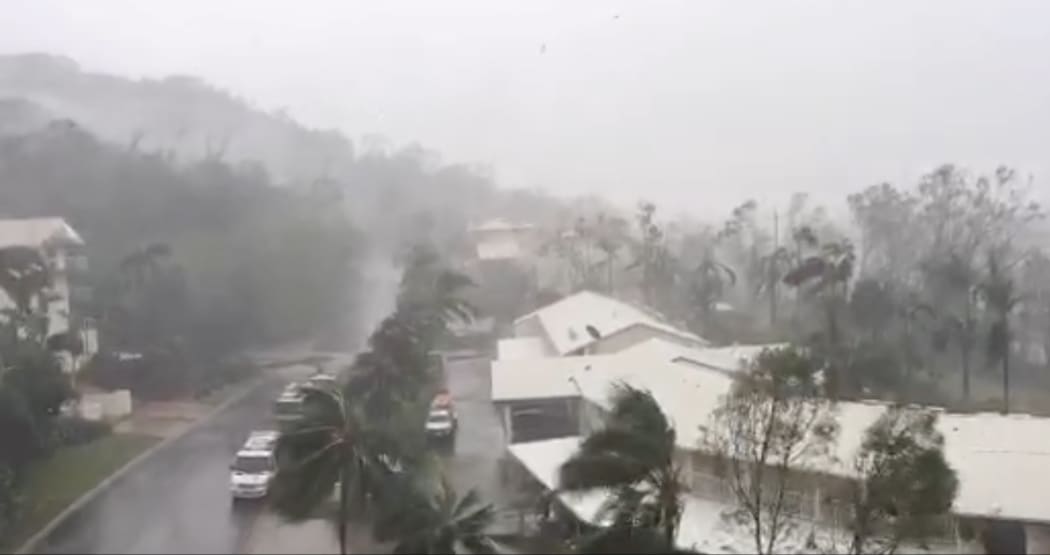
point(773, 270)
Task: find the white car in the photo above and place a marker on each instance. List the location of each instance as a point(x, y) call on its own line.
point(255, 466)
point(441, 423)
point(288, 407)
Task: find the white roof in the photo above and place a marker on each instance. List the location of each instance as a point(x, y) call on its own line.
point(252, 453)
point(260, 441)
point(498, 248)
point(500, 224)
point(36, 232)
point(666, 369)
point(703, 527)
point(1001, 462)
point(566, 321)
point(547, 378)
point(519, 348)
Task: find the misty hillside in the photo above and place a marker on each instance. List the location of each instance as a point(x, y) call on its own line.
point(181, 114)
point(185, 120)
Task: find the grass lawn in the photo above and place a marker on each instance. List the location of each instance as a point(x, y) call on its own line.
point(54, 483)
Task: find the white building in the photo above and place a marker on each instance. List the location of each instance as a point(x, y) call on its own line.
point(498, 239)
point(592, 323)
point(1000, 460)
point(62, 248)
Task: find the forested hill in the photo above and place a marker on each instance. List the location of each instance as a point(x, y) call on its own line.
point(183, 115)
point(185, 120)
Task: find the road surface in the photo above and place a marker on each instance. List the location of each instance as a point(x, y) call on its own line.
point(178, 500)
point(472, 464)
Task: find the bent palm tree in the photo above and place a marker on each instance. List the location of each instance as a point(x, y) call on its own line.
point(633, 457)
point(708, 283)
point(331, 446)
point(424, 521)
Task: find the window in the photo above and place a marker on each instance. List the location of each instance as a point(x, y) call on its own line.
point(709, 486)
point(799, 504)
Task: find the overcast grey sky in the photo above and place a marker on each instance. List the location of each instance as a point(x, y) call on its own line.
point(695, 104)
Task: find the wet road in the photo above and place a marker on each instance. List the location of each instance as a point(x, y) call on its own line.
point(178, 500)
point(474, 463)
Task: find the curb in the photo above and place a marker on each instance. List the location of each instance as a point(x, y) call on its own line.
point(31, 543)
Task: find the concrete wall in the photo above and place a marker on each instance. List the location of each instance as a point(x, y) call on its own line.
point(113, 405)
point(1037, 538)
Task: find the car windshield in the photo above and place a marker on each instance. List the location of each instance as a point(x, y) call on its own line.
point(439, 417)
point(253, 465)
point(287, 407)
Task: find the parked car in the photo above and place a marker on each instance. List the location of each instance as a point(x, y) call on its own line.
point(288, 408)
point(442, 422)
point(254, 466)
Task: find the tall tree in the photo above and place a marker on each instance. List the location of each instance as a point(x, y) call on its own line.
point(658, 265)
point(1000, 294)
point(332, 448)
point(775, 419)
point(905, 486)
point(827, 278)
point(953, 282)
point(633, 457)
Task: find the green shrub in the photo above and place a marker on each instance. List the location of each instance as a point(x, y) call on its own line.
point(10, 501)
point(78, 431)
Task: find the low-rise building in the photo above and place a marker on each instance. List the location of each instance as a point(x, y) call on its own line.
point(591, 323)
point(999, 459)
point(62, 249)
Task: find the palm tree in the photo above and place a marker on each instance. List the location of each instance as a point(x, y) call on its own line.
point(632, 456)
point(425, 521)
point(955, 285)
point(999, 292)
point(333, 446)
point(829, 275)
point(708, 283)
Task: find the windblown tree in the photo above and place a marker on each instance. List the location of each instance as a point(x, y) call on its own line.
point(632, 457)
point(708, 285)
point(658, 265)
point(433, 520)
point(826, 278)
point(1036, 307)
point(904, 488)
point(334, 447)
point(1000, 294)
point(953, 282)
point(774, 420)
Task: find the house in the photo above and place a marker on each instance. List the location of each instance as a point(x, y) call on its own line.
point(498, 239)
point(1000, 459)
point(63, 250)
point(591, 323)
point(552, 344)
